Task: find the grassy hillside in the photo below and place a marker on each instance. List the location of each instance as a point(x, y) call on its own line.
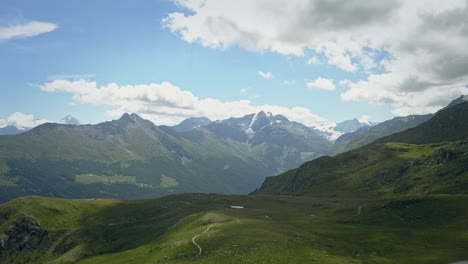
point(379, 170)
point(126, 158)
point(399, 125)
point(366, 135)
point(449, 124)
point(270, 229)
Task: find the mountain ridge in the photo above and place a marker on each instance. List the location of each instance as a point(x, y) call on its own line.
point(427, 159)
point(128, 158)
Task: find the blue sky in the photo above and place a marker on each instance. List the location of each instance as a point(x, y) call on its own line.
point(132, 42)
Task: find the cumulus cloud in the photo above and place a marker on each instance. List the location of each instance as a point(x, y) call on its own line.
point(165, 103)
point(412, 52)
point(266, 75)
point(322, 83)
point(22, 121)
point(25, 30)
point(287, 27)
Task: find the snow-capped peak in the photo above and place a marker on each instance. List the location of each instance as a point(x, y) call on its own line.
point(328, 130)
point(69, 120)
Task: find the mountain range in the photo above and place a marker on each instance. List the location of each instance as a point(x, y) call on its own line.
point(133, 158)
point(191, 123)
point(408, 188)
point(125, 158)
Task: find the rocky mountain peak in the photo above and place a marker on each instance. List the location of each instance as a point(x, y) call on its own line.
point(191, 123)
point(69, 120)
point(459, 100)
point(348, 126)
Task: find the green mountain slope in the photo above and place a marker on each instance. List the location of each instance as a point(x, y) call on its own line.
point(125, 158)
point(202, 229)
point(449, 124)
point(384, 168)
point(366, 135)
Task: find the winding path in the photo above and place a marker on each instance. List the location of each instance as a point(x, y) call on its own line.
point(359, 209)
point(196, 244)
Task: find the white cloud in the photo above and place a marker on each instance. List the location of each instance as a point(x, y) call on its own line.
point(418, 47)
point(29, 29)
point(243, 91)
point(314, 60)
point(365, 119)
point(322, 83)
point(21, 121)
point(266, 75)
point(167, 104)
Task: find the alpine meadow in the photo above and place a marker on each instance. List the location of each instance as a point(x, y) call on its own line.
point(218, 132)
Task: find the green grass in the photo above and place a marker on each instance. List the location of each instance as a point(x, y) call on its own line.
point(411, 151)
point(91, 178)
point(379, 170)
point(168, 182)
point(270, 229)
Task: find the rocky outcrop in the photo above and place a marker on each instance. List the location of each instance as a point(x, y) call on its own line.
point(23, 236)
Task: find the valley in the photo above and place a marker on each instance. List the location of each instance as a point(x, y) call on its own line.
point(270, 229)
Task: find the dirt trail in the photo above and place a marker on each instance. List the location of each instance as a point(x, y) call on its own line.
point(196, 244)
point(359, 209)
point(319, 216)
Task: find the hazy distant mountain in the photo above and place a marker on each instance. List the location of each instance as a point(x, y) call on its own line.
point(332, 131)
point(264, 127)
point(348, 126)
point(13, 130)
point(273, 137)
point(191, 123)
point(69, 120)
point(10, 130)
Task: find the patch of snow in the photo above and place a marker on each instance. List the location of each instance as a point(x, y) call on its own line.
point(249, 130)
point(328, 130)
